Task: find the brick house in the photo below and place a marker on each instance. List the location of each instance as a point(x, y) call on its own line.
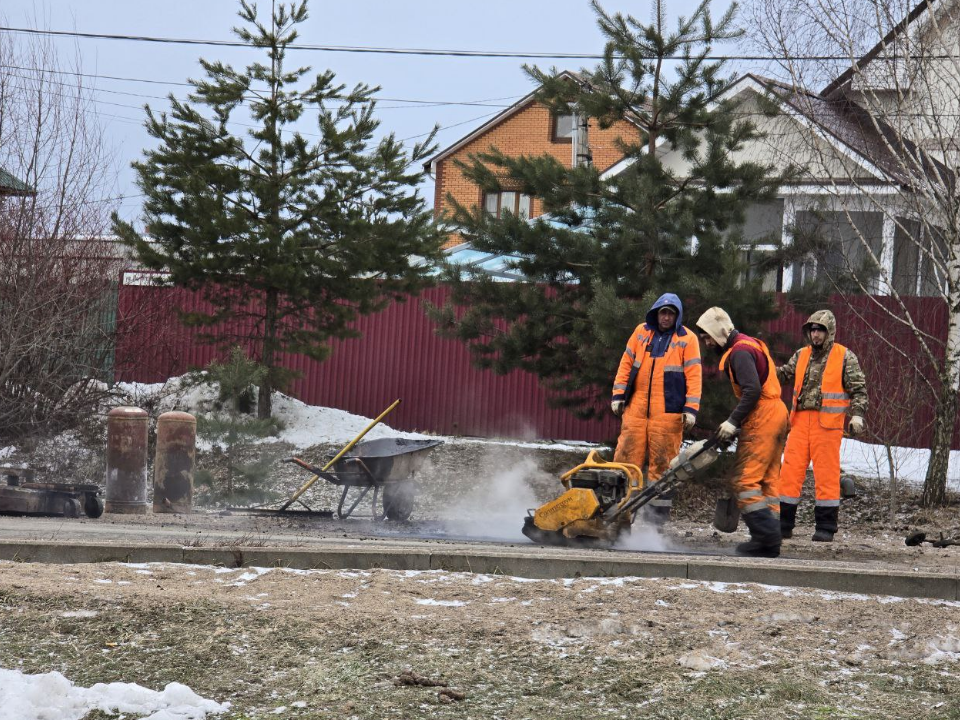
point(525, 128)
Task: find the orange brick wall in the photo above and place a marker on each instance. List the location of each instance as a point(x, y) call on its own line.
point(527, 132)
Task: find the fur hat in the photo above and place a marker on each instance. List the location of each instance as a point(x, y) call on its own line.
point(717, 324)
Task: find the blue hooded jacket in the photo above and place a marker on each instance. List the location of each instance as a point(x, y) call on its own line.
point(661, 340)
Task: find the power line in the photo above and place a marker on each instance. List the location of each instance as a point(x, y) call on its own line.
point(428, 52)
point(487, 102)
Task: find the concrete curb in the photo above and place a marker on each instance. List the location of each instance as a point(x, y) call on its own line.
point(532, 563)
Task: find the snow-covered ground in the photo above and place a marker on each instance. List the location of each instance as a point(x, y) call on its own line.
point(303, 425)
point(51, 696)
point(910, 464)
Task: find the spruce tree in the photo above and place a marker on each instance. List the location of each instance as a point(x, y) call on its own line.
point(609, 246)
point(289, 234)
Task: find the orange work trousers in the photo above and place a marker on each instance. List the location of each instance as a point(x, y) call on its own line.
point(653, 442)
point(810, 441)
point(756, 466)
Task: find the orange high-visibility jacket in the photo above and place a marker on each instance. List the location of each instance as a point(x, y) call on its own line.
point(834, 400)
point(771, 386)
point(668, 384)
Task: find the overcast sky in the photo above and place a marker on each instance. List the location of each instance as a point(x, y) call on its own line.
point(535, 26)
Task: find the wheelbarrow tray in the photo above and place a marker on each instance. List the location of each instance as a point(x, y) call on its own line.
point(377, 462)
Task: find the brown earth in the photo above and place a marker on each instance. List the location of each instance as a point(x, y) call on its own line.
point(352, 644)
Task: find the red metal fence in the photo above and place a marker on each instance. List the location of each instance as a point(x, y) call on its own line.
point(399, 355)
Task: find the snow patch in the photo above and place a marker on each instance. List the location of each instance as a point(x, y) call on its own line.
point(700, 661)
point(860, 458)
point(51, 696)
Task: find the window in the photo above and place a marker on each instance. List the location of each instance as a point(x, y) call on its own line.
point(508, 201)
point(836, 244)
point(564, 127)
point(760, 236)
point(757, 264)
point(906, 256)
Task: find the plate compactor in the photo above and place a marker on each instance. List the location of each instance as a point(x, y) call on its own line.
point(602, 498)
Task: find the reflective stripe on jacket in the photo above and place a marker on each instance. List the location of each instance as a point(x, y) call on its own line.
point(834, 401)
point(671, 383)
point(771, 386)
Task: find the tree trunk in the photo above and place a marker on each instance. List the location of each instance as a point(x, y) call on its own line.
point(935, 483)
point(893, 485)
point(264, 396)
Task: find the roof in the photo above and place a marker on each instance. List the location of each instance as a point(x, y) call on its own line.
point(870, 140)
point(898, 30)
point(521, 104)
point(496, 266)
point(9, 185)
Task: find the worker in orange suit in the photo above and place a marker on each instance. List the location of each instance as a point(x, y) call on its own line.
point(760, 417)
point(828, 386)
point(657, 393)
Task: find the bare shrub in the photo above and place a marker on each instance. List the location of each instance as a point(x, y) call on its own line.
point(58, 269)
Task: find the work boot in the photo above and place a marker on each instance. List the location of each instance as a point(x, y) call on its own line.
point(788, 520)
point(825, 519)
point(764, 535)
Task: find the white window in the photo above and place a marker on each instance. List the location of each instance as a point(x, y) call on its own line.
point(564, 127)
point(508, 201)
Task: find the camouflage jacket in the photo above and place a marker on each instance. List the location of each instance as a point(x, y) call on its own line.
point(854, 381)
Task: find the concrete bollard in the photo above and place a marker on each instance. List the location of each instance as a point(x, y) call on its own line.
point(173, 464)
point(126, 461)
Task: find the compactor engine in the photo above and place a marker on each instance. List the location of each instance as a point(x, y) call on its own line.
point(610, 486)
point(602, 498)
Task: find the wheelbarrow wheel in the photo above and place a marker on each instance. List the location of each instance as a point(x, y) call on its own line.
point(92, 506)
point(398, 500)
point(71, 508)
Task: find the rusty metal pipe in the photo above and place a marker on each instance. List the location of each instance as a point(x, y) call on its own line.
point(174, 463)
point(126, 476)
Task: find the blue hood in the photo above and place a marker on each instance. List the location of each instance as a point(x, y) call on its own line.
point(665, 300)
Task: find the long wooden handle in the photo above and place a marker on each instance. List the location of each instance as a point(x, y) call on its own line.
point(339, 455)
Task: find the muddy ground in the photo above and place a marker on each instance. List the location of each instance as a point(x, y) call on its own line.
point(388, 644)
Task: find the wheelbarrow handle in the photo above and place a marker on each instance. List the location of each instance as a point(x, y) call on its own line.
point(304, 464)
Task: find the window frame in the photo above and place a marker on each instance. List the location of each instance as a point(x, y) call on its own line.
point(562, 139)
point(518, 199)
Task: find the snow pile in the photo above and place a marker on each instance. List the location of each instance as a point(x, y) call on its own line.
point(303, 425)
point(863, 459)
point(51, 696)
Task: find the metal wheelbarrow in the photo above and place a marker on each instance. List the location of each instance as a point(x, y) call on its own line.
point(385, 466)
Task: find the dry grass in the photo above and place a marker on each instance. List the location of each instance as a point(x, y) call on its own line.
point(340, 644)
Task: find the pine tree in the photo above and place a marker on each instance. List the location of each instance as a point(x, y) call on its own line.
point(609, 246)
point(290, 238)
